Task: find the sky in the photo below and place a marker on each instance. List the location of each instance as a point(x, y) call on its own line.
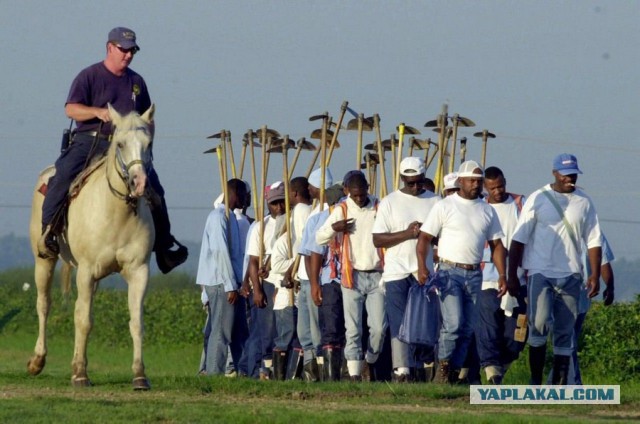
point(546, 77)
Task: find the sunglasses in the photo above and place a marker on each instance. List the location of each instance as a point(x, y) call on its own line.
point(419, 183)
point(132, 50)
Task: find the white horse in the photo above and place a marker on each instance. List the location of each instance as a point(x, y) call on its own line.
point(109, 229)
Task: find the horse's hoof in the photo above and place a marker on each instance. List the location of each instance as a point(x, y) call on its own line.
point(80, 382)
point(36, 364)
point(141, 383)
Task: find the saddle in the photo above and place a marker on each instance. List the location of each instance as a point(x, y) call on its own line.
point(76, 184)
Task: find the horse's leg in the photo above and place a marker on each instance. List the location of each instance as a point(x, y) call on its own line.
point(83, 319)
point(43, 275)
point(137, 280)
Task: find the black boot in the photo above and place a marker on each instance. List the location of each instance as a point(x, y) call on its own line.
point(295, 365)
point(537, 356)
point(332, 363)
point(48, 247)
point(560, 374)
point(166, 258)
point(311, 371)
point(279, 365)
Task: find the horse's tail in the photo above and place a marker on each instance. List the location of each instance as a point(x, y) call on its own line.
point(65, 280)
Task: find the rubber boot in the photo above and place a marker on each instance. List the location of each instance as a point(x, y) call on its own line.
point(279, 365)
point(295, 365)
point(332, 363)
point(560, 374)
point(537, 356)
point(311, 371)
point(166, 258)
point(442, 376)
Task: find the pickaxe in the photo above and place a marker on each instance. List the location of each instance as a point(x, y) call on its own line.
point(485, 134)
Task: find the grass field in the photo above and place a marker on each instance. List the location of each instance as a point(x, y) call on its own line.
point(172, 353)
point(178, 395)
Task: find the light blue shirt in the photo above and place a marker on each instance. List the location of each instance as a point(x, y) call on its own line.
point(308, 245)
point(221, 252)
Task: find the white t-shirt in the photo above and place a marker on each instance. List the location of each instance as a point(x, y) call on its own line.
point(508, 213)
point(395, 213)
point(300, 216)
point(462, 227)
point(549, 250)
point(364, 255)
point(253, 248)
point(280, 263)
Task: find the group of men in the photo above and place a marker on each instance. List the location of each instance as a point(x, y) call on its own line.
point(294, 305)
point(493, 259)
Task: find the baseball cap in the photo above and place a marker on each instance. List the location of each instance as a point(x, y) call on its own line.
point(411, 166)
point(566, 164)
point(124, 37)
point(349, 175)
point(315, 179)
point(275, 193)
point(450, 181)
point(467, 169)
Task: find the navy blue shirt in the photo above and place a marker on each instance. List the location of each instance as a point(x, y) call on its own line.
point(96, 86)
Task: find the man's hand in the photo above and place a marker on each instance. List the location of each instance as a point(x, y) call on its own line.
point(503, 286)
point(593, 286)
point(414, 229)
point(103, 114)
point(607, 295)
point(423, 275)
point(259, 298)
point(316, 294)
point(263, 273)
point(232, 296)
point(245, 289)
point(344, 226)
point(512, 286)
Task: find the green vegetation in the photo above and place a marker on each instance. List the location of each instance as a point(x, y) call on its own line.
point(173, 320)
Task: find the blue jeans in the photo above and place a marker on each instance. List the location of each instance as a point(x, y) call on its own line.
point(239, 337)
point(285, 320)
point(253, 345)
point(459, 313)
point(367, 293)
point(308, 326)
point(331, 316)
point(265, 324)
point(395, 301)
point(221, 317)
point(495, 330)
point(553, 301)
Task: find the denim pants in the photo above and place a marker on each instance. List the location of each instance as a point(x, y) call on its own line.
point(331, 316)
point(221, 317)
point(239, 337)
point(367, 293)
point(308, 326)
point(553, 302)
point(495, 330)
point(285, 320)
point(395, 302)
point(253, 345)
point(459, 312)
point(266, 325)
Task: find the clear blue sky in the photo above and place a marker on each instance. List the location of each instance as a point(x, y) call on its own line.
point(547, 77)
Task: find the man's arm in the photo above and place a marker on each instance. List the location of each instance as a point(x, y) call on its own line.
point(259, 298)
point(515, 260)
point(606, 273)
point(80, 112)
point(386, 240)
point(422, 250)
point(313, 270)
point(498, 257)
point(593, 282)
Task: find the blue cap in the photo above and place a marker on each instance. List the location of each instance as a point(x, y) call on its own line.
point(123, 37)
point(566, 164)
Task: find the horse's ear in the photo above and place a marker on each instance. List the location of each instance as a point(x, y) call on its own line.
point(115, 116)
point(148, 115)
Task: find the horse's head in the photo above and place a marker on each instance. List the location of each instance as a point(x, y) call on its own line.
point(131, 147)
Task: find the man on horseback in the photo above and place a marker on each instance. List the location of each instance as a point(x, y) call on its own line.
point(108, 82)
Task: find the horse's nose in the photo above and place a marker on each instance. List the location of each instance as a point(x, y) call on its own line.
point(138, 184)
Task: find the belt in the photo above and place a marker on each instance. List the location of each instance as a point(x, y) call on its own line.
point(467, 267)
point(93, 134)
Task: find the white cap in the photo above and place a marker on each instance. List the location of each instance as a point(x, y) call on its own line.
point(218, 200)
point(451, 181)
point(411, 166)
point(467, 169)
point(315, 179)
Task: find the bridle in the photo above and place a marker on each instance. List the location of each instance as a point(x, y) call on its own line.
point(122, 169)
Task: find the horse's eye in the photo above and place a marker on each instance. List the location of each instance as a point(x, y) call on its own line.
point(120, 145)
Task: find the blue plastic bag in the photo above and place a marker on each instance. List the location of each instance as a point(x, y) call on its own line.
point(422, 320)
